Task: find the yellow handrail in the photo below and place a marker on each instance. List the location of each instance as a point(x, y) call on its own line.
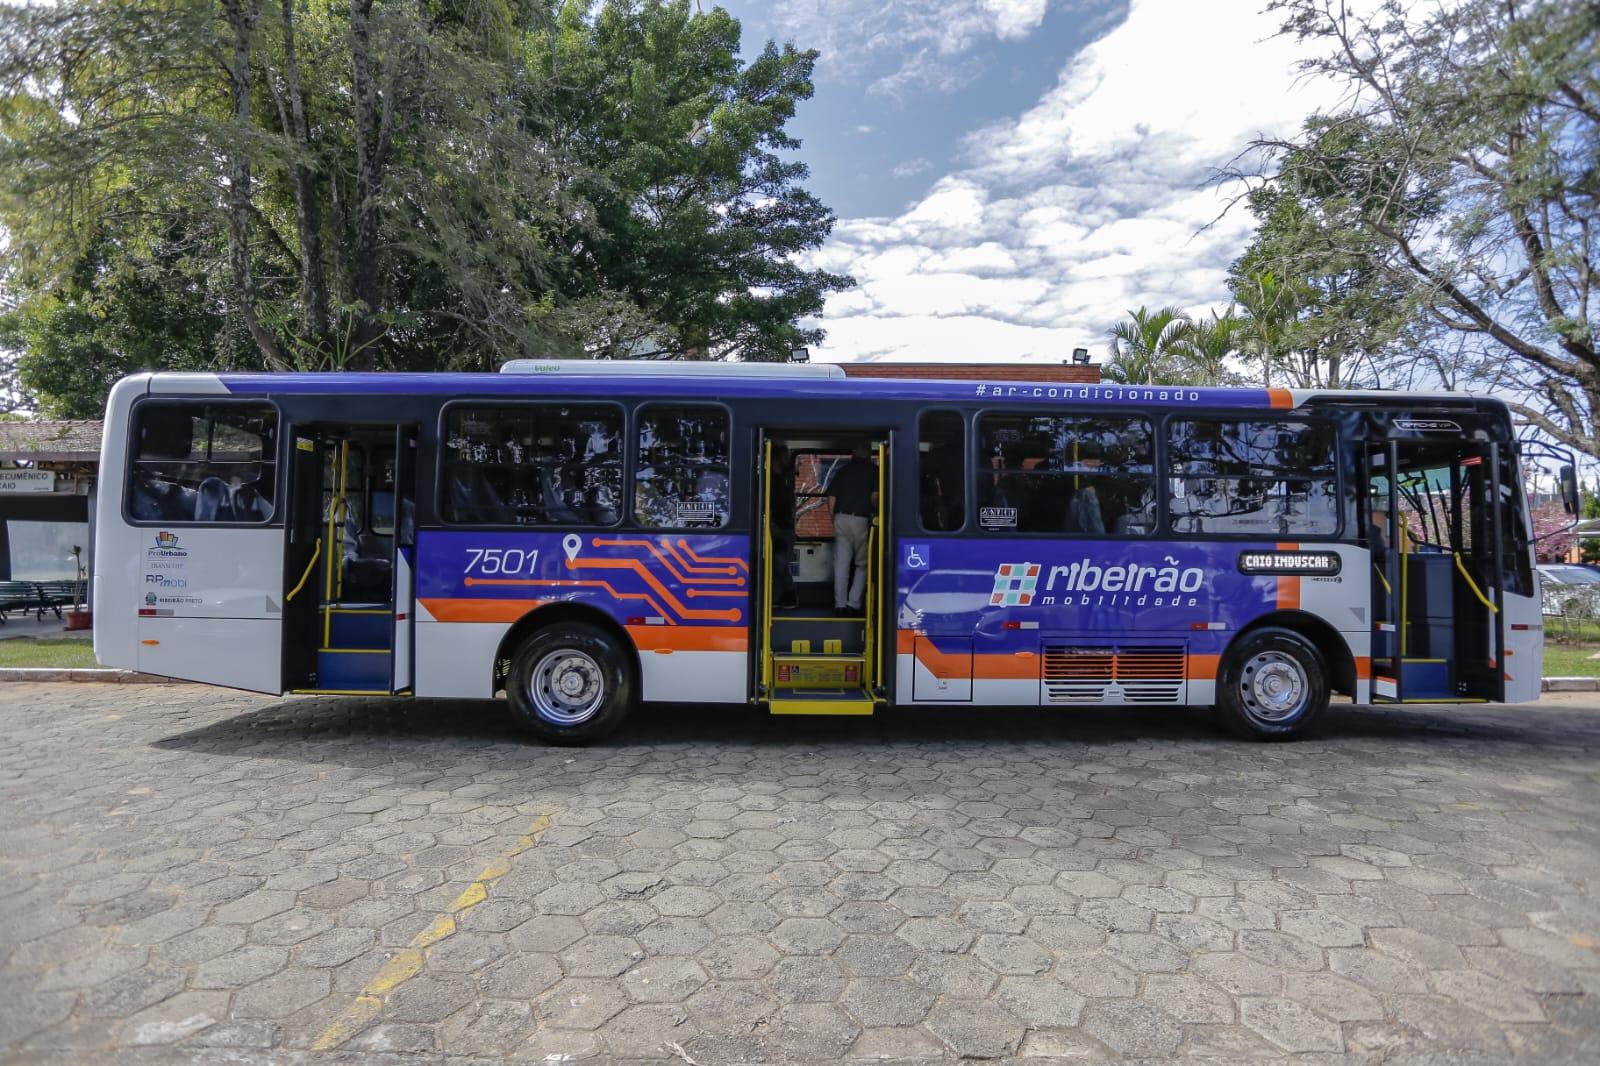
point(766, 533)
point(1473, 585)
point(316, 553)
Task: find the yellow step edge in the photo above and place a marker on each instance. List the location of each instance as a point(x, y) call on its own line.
point(344, 692)
point(355, 651)
point(787, 705)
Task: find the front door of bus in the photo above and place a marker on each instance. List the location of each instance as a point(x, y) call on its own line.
point(350, 560)
point(1437, 570)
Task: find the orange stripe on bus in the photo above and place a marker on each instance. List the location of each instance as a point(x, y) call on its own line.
point(1288, 593)
point(472, 610)
point(1280, 398)
point(689, 638)
point(1201, 667)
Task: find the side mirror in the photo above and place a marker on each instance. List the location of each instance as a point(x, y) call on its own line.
point(1569, 489)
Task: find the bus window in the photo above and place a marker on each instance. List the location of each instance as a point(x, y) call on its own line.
point(941, 471)
point(1264, 478)
point(198, 462)
point(1092, 475)
point(533, 465)
point(681, 479)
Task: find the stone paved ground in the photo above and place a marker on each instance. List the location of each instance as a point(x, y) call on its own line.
point(192, 875)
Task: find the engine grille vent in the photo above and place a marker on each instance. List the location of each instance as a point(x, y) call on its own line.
point(1086, 674)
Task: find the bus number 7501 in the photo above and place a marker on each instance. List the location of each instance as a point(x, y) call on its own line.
point(490, 561)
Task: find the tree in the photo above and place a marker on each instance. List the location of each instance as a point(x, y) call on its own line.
point(1330, 309)
point(1147, 348)
point(1208, 346)
point(698, 218)
point(388, 184)
point(1460, 172)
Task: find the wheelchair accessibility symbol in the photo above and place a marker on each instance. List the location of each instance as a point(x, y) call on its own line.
point(915, 557)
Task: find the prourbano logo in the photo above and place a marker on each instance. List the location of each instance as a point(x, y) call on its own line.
point(1092, 583)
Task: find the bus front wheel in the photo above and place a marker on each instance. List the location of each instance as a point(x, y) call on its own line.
point(571, 684)
point(1273, 686)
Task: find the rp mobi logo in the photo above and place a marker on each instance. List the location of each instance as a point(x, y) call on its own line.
point(1014, 584)
point(166, 540)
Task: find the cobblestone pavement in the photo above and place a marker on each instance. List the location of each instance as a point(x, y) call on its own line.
point(193, 875)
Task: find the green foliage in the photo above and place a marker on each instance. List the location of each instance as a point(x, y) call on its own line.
point(1447, 205)
point(1147, 348)
point(382, 184)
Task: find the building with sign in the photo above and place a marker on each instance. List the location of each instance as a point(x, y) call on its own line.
point(47, 477)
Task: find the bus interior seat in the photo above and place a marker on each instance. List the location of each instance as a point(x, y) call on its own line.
point(474, 499)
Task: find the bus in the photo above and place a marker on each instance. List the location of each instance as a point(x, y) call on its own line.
point(578, 538)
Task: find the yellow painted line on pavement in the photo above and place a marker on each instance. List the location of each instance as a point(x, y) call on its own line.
point(409, 960)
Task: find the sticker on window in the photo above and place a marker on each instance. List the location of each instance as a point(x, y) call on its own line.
point(997, 517)
point(696, 513)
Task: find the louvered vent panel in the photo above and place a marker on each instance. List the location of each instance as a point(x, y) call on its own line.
point(1132, 674)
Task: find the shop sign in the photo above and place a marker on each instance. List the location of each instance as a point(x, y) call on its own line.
point(15, 481)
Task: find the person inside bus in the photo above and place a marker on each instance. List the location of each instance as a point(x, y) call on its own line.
point(853, 492)
point(1084, 514)
point(783, 529)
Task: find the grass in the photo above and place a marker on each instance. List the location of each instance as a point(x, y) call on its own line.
point(1570, 660)
point(45, 651)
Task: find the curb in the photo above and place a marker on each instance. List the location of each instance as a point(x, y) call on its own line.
point(99, 674)
point(1571, 684)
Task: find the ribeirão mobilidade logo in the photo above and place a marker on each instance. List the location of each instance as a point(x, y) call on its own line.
point(1089, 582)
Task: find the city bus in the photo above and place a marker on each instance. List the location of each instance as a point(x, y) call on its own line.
point(581, 538)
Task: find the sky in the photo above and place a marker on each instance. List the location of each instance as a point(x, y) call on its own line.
point(1012, 176)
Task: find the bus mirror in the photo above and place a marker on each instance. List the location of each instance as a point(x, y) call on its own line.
point(1569, 489)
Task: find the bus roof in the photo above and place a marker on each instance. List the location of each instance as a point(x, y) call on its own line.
point(668, 380)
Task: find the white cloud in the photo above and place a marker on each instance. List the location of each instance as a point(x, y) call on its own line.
point(925, 39)
point(1093, 201)
point(911, 167)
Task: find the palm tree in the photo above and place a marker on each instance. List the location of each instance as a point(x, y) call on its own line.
point(1145, 348)
point(1270, 307)
point(1208, 346)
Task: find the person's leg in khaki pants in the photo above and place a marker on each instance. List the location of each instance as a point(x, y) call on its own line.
point(851, 534)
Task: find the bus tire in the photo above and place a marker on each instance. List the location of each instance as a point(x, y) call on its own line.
point(1273, 685)
point(571, 684)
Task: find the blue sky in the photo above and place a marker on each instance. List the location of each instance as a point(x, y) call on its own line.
point(1011, 175)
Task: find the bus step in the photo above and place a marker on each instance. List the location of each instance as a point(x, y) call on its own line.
point(816, 671)
point(836, 701)
point(353, 669)
point(360, 627)
point(827, 635)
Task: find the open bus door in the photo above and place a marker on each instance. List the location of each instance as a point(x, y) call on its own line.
point(349, 564)
point(811, 660)
point(1436, 518)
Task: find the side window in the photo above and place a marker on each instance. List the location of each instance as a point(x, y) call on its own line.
point(196, 462)
point(1091, 475)
point(1265, 478)
point(941, 471)
point(681, 476)
point(532, 465)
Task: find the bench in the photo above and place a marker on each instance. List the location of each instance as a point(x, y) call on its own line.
point(20, 596)
point(37, 597)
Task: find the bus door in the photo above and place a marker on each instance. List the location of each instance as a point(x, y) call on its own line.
point(350, 563)
point(1435, 514)
point(811, 657)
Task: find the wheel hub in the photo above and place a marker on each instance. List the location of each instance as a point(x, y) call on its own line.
point(1274, 686)
point(567, 687)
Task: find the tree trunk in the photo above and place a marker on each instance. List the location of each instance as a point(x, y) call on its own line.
point(370, 135)
point(242, 21)
point(314, 330)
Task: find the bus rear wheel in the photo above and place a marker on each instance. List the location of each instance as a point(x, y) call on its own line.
point(1273, 685)
point(571, 684)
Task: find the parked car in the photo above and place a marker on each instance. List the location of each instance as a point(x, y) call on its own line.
point(1569, 589)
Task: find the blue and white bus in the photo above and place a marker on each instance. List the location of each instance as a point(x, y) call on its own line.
point(580, 538)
